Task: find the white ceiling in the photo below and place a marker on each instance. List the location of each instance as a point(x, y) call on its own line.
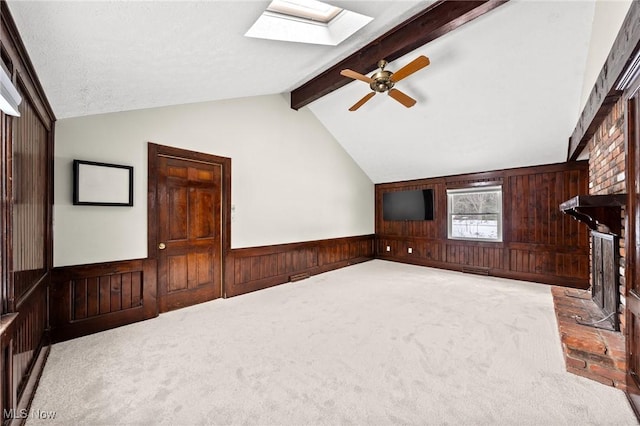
point(502, 91)
point(103, 56)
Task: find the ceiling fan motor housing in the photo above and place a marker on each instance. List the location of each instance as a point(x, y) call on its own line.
point(381, 81)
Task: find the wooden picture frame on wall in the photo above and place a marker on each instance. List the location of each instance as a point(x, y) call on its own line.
point(102, 184)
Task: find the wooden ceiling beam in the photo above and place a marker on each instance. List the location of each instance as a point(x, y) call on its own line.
point(436, 20)
point(608, 87)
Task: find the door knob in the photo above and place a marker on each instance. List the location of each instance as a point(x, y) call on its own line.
point(162, 246)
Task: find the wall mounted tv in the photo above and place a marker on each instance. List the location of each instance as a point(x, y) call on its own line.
point(408, 205)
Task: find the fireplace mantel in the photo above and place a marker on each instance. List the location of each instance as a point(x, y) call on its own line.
point(600, 213)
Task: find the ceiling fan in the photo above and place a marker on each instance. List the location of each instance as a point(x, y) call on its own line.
point(383, 81)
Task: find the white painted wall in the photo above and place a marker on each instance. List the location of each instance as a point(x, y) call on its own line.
point(607, 19)
point(291, 181)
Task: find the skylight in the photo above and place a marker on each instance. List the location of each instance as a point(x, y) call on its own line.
point(307, 21)
point(312, 10)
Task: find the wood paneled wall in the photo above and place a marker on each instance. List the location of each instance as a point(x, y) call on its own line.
point(255, 268)
point(25, 213)
point(539, 244)
point(31, 325)
point(90, 298)
point(29, 204)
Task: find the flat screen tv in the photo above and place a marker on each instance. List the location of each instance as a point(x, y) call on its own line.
point(408, 205)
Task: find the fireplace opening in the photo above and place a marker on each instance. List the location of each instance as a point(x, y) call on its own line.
point(602, 214)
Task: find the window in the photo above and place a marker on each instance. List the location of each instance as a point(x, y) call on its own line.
point(475, 213)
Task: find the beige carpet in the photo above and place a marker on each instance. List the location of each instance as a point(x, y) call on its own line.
point(378, 343)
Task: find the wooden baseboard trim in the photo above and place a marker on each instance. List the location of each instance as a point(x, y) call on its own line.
point(283, 279)
point(501, 273)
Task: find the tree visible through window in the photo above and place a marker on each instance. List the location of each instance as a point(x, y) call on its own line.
point(475, 213)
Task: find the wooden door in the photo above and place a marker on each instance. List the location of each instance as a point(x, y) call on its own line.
point(632, 244)
point(189, 234)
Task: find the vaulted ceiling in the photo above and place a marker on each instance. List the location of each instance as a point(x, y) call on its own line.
point(502, 91)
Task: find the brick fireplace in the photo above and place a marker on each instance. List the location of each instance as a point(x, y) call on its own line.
point(591, 322)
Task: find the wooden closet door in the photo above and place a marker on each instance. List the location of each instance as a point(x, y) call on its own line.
point(189, 232)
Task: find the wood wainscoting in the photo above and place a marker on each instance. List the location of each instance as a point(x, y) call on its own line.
point(90, 298)
point(86, 299)
point(255, 268)
point(539, 243)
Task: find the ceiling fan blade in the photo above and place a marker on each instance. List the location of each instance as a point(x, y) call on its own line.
point(362, 101)
point(413, 66)
point(356, 76)
point(401, 97)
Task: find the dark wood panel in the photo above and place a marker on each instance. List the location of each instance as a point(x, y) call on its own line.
point(93, 296)
point(89, 298)
point(436, 20)
point(26, 191)
point(200, 268)
point(7, 333)
point(255, 268)
point(176, 200)
point(25, 214)
point(634, 357)
point(259, 266)
point(177, 274)
point(539, 242)
point(632, 243)
point(30, 336)
point(29, 198)
point(128, 289)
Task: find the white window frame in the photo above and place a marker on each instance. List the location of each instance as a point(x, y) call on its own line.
point(471, 190)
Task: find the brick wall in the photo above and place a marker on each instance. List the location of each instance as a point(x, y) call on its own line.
point(607, 174)
point(606, 155)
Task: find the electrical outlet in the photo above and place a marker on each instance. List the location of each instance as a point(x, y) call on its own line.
point(388, 248)
point(410, 250)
